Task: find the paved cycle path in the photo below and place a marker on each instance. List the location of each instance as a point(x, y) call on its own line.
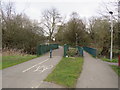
point(31, 74)
point(96, 74)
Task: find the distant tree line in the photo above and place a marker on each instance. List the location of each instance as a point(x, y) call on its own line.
point(73, 32)
point(95, 35)
point(18, 31)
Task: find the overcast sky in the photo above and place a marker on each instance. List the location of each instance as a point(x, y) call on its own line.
point(85, 8)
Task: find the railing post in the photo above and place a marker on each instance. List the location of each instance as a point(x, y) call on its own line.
point(65, 49)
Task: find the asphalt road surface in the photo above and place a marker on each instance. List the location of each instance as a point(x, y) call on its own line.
point(31, 74)
point(96, 74)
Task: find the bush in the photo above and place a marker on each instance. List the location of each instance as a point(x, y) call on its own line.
point(9, 52)
point(72, 52)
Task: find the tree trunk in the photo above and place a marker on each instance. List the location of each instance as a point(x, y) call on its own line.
point(105, 51)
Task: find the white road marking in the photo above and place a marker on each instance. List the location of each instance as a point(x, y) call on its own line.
point(40, 68)
point(37, 69)
point(35, 65)
point(38, 85)
point(43, 68)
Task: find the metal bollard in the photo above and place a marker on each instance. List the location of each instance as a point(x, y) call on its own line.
point(50, 53)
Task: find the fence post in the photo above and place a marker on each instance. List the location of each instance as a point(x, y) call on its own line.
point(38, 50)
point(80, 50)
point(65, 50)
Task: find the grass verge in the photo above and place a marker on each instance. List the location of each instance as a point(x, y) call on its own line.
point(11, 60)
point(66, 72)
point(112, 61)
point(116, 69)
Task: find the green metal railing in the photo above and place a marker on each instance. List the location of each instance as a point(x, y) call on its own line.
point(91, 51)
point(80, 50)
point(66, 47)
point(43, 48)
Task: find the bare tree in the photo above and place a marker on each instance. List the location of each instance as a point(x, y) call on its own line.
point(50, 19)
point(7, 11)
point(18, 31)
point(106, 7)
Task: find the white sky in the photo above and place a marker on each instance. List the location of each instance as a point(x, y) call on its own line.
point(33, 8)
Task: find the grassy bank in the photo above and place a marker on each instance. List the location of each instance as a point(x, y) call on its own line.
point(112, 61)
point(11, 60)
point(116, 69)
point(66, 72)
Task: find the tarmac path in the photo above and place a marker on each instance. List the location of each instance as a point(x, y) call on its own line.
point(96, 74)
point(31, 74)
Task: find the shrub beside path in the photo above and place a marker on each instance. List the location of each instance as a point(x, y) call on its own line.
point(96, 74)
